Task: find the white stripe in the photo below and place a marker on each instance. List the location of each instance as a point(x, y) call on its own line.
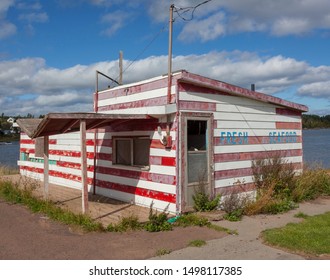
point(166, 188)
point(164, 170)
point(255, 148)
point(229, 182)
point(245, 125)
point(162, 152)
point(222, 99)
point(134, 97)
point(150, 110)
point(255, 117)
point(248, 163)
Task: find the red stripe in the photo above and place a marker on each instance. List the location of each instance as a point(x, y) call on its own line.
point(165, 161)
point(139, 175)
point(56, 174)
point(73, 165)
point(241, 172)
point(70, 153)
point(288, 125)
point(171, 198)
point(100, 142)
point(199, 106)
point(227, 190)
point(199, 89)
point(287, 112)
point(255, 155)
point(168, 161)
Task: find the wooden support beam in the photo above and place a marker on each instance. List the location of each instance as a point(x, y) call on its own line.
point(84, 186)
point(46, 166)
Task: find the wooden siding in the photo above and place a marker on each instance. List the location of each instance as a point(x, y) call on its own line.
point(244, 130)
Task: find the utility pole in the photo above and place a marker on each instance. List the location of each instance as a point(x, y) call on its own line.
point(169, 74)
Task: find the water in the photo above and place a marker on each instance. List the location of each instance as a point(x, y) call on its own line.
point(316, 144)
point(9, 154)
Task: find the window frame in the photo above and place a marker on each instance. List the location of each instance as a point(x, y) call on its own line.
point(131, 139)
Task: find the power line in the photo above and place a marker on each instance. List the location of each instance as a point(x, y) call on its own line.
point(180, 12)
point(183, 10)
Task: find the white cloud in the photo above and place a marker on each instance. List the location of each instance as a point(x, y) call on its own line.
point(30, 86)
point(7, 29)
point(279, 18)
point(115, 20)
point(34, 17)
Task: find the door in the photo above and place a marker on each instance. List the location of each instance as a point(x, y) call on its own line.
point(198, 157)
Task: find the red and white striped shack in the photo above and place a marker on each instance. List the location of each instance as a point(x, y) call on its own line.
point(155, 140)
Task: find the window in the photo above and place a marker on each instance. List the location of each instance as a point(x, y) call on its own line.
point(197, 151)
point(132, 151)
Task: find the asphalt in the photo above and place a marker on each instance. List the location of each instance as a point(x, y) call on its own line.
point(247, 245)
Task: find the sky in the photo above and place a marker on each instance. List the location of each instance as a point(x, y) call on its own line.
point(50, 49)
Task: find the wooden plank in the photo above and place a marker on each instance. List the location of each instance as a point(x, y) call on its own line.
point(84, 186)
point(46, 166)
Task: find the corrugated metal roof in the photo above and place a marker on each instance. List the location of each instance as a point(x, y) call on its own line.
point(59, 123)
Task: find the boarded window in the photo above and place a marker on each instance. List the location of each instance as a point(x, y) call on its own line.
point(132, 151)
point(39, 147)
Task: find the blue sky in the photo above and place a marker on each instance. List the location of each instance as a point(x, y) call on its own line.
point(49, 50)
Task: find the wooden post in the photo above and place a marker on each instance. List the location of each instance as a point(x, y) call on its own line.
point(46, 166)
point(84, 186)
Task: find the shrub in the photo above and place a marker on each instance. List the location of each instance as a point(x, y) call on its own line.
point(125, 224)
point(202, 200)
point(157, 221)
point(233, 205)
point(311, 184)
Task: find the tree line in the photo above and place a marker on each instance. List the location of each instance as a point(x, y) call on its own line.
point(315, 121)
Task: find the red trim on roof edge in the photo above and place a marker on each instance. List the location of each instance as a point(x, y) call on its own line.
point(235, 90)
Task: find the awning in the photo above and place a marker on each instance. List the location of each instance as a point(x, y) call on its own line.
point(59, 123)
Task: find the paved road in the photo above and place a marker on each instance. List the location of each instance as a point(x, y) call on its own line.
point(247, 245)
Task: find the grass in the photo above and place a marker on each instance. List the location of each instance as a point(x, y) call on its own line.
point(13, 194)
point(162, 252)
point(311, 236)
point(6, 170)
point(197, 243)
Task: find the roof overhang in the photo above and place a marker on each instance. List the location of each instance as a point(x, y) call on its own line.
point(190, 78)
point(59, 123)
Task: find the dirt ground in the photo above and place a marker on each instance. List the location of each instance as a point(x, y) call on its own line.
point(28, 236)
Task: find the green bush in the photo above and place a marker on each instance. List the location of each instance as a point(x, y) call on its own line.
point(157, 221)
point(311, 184)
point(191, 220)
point(129, 223)
point(203, 202)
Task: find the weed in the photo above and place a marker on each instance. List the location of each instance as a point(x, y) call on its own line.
point(233, 205)
point(301, 215)
point(24, 196)
point(6, 170)
point(197, 243)
point(311, 184)
point(203, 202)
point(191, 220)
point(157, 221)
point(162, 252)
point(125, 224)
